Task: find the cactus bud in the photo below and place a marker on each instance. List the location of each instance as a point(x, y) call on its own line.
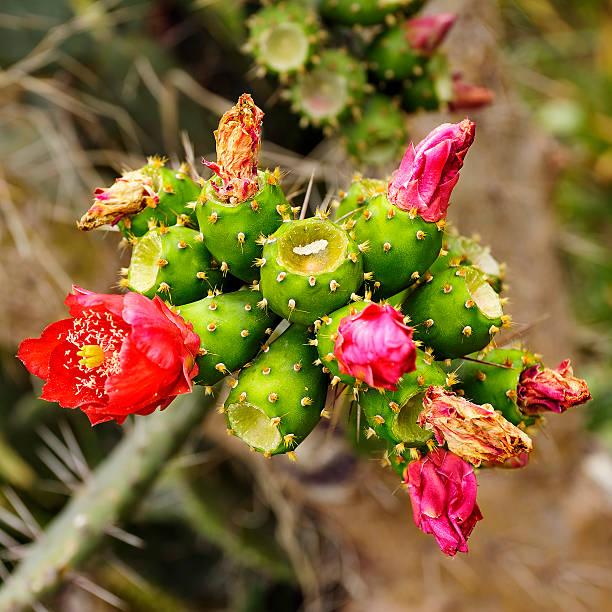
point(426, 33)
point(465, 95)
point(442, 490)
point(429, 172)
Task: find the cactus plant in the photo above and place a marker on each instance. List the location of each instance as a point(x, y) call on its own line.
point(367, 12)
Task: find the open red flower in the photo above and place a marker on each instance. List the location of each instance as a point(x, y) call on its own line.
point(374, 345)
point(442, 490)
point(429, 172)
point(117, 355)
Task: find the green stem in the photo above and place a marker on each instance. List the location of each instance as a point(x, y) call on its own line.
point(116, 486)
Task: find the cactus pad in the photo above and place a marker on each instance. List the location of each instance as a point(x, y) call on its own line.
point(366, 12)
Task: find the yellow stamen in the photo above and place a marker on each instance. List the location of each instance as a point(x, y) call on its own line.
point(93, 355)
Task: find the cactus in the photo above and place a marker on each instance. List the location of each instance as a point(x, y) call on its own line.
point(277, 401)
point(402, 245)
point(460, 250)
point(309, 267)
point(422, 93)
point(477, 312)
point(367, 12)
point(379, 136)
point(392, 415)
point(231, 330)
point(115, 488)
point(141, 199)
point(174, 263)
point(325, 93)
point(482, 383)
point(283, 36)
point(392, 57)
point(358, 194)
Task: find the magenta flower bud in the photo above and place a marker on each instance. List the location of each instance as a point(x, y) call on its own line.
point(442, 490)
point(541, 389)
point(475, 433)
point(467, 96)
point(238, 140)
point(428, 173)
point(425, 34)
point(374, 345)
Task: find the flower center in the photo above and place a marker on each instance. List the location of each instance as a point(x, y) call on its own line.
point(92, 355)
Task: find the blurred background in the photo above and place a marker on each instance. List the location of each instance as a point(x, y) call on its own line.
point(89, 88)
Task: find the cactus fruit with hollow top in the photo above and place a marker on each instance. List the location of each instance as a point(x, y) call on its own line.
point(309, 267)
point(277, 401)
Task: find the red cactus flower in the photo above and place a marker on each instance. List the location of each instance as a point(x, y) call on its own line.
point(466, 96)
point(473, 432)
point(238, 142)
point(442, 490)
point(557, 390)
point(374, 345)
point(428, 173)
point(117, 355)
point(426, 33)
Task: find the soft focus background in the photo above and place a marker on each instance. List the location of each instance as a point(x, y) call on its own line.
point(88, 89)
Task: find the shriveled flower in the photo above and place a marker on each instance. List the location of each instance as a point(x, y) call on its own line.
point(374, 345)
point(541, 389)
point(117, 355)
point(128, 195)
point(426, 33)
point(442, 490)
point(511, 463)
point(428, 173)
point(238, 142)
point(474, 433)
point(466, 95)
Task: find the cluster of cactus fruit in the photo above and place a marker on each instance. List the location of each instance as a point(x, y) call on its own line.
point(386, 303)
point(359, 67)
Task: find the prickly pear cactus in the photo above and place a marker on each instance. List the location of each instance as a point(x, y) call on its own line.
point(309, 267)
point(174, 263)
point(358, 195)
point(367, 12)
point(277, 401)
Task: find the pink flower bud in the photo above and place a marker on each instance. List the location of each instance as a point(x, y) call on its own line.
point(474, 433)
point(426, 33)
point(428, 173)
point(375, 346)
point(442, 490)
point(238, 142)
point(465, 95)
point(556, 390)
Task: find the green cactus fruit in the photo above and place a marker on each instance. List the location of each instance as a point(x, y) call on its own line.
point(231, 328)
point(392, 415)
point(459, 250)
point(176, 194)
point(327, 331)
point(232, 231)
point(489, 384)
point(380, 133)
point(401, 245)
point(278, 400)
point(421, 93)
point(391, 57)
point(174, 263)
point(455, 312)
point(358, 195)
point(367, 12)
point(325, 92)
point(309, 267)
point(283, 36)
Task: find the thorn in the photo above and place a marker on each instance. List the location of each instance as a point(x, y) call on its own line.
point(212, 218)
point(447, 288)
point(333, 285)
point(387, 247)
point(467, 331)
point(275, 422)
point(370, 432)
point(244, 333)
point(379, 420)
point(429, 323)
point(281, 277)
point(394, 406)
point(289, 440)
point(292, 456)
point(469, 303)
point(306, 401)
point(272, 397)
point(334, 381)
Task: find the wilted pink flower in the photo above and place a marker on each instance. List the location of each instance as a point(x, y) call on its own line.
point(128, 195)
point(442, 490)
point(427, 175)
point(426, 33)
point(474, 433)
point(465, 95)
point(555, 390)
point(374, 345)
point(512, 463)
point(238, 142)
